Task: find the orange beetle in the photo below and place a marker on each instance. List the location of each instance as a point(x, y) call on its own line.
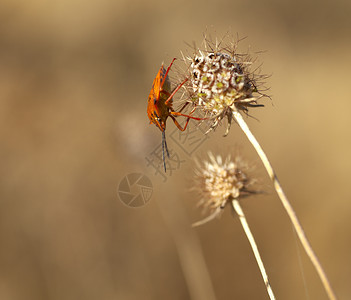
point(159, 106)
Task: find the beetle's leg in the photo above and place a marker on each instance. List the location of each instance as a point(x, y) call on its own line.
point(185, 105)
point(165, 76)
point(175, 90)
point(178, 125)
point(175, 113)
point(165, 92)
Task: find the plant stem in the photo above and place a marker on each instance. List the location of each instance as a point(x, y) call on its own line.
point(239, 211)
point(303, 239)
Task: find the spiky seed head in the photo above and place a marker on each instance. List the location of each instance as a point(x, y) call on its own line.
point(221, 84)
point(220, 181)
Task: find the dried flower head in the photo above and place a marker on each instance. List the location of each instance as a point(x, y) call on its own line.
point(222, 82)
point(220, 181)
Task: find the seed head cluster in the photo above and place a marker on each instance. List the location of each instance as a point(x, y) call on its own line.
point(220, 180)
point(221, 84)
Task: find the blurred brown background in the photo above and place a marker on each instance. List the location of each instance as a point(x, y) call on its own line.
point(74, 81)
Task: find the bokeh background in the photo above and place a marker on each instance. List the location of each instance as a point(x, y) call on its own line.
point(74, 81)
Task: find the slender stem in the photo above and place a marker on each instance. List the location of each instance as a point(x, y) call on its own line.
point(239, 211)
point(303, 239)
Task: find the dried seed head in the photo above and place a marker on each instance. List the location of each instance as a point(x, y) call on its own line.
point(218, 80)
point(220, 181)
point(222, 83)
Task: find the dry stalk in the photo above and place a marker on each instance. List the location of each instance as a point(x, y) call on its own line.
point(239, 211)
point(291, 213)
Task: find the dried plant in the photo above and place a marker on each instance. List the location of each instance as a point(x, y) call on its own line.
point(221, 85)
point(226, 181)
point(217, 181)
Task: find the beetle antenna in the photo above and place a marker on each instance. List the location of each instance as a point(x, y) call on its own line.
point(164, 146)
